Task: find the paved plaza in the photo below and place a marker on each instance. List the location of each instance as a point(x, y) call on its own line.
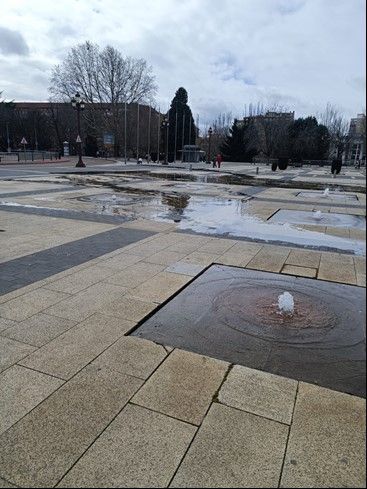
point(83, 403)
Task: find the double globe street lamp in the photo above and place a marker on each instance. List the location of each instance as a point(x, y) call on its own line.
point(165, 125)
point(210, 132)
point(78, 104)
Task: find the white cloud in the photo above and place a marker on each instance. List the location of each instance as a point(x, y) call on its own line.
point(226, 53)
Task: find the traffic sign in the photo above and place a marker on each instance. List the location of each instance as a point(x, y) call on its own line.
point(78, 140)
point(23, 141)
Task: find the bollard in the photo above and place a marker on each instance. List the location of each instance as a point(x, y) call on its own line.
point(257, 170)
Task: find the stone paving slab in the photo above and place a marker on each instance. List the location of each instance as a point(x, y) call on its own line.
point(140, 448)
point(326, 446)
point(135, 275)
point(183, 386)
point(38, 329)
point(30, 303)
point(70, 352)
point(185, 268)
point(160, 287)
point(40, 448)
point(344, 272)
point(6, 323)
point(129, 308)
point(234, 449)
point(11, 351)
point(87, 302)
point(132, 356)
point(302, 258)
point(299, 271)
point(261, 393)
point(78, 281)
point(22, 389)
point(268, 259)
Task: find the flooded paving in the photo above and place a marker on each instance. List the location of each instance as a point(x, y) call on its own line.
point(333, 196)
point(319, 218)
point(231, 314)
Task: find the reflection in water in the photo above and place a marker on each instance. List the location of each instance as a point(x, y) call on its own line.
point(177, 204)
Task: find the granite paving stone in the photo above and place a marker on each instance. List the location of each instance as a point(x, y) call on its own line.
point(140, 448)
point(21, 389)
point(6, 484)
point(11, 351)
point(120, 261)
point(198, 258)
point(28, 304)
point(38, 329)
point(71, 351)
point(344, 272)
point(165, 257)
point(299, 271)
point(129, 308)
point(234, 449)
point(80, 280)
point(269, 259)
point(39, 449)
point(261, 393)
point(303, 258)
point(183, 386)
point(6, 323)
point(185, 268)
point(87, 301)
point(160, 287)
point(135, 275)
point(326, 445)
point(132, 356)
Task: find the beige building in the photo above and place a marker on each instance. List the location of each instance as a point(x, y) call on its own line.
point(356, 147)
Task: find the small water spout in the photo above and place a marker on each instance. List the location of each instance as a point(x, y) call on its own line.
point(286, 303)
point(317, 215)
point(326, 192)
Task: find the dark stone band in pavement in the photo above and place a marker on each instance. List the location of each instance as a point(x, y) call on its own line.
point(66, 214)
point(26, 270)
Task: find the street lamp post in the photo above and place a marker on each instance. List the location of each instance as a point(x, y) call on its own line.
point(165, 125)
point(210, 132)
point(78, 104)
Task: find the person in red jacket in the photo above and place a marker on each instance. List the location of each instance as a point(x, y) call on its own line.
point(219, 160)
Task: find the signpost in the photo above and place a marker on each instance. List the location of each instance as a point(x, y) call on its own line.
point(24, 142)
point(108, 140)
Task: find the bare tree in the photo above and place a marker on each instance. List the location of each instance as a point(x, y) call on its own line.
point(338, 127)
point(106, 80)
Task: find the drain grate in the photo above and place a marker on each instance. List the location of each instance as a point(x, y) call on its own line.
point(230, 313)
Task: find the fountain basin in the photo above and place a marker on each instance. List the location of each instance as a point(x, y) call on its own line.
point(332, 195)
point(284, 216)
point(232, 314)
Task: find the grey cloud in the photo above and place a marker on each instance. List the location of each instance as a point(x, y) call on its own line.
point(12, 42)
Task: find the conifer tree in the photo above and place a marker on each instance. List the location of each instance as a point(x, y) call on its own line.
point(182, 129)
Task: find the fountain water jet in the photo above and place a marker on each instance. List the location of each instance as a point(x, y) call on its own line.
point(326, 192)
point(286, 303)
point(318, 215)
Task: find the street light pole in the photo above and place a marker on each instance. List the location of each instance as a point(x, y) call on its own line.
point(165, 125)
point(7, 136)
point(78, 104)
point(210, 132)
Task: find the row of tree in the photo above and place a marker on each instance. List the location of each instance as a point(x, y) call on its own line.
point(281, 137)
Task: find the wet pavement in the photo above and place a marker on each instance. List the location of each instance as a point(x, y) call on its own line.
point(231, 314)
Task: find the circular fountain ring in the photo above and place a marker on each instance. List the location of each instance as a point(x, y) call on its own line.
point(254, 310)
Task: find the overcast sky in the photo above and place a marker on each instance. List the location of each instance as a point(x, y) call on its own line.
point(226, 53)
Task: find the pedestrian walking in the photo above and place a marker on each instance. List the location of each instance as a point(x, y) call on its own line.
point(219, 160)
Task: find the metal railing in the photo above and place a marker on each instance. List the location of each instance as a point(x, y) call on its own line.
point(28, 156)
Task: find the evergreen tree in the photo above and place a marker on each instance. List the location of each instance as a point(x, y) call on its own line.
point(308, 139)
point(238, 144)
point(182, 129)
